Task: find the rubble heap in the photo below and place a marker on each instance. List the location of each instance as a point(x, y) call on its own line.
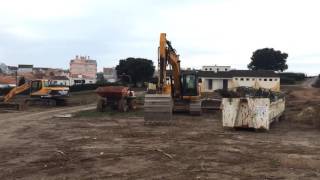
point(248, 92)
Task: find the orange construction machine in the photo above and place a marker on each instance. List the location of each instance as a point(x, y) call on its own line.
point(176, 92)
point(39, 92)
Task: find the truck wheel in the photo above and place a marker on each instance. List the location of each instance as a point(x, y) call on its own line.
point(122, 105)
point(132, 104)
point(52, 103)
point(101, 105)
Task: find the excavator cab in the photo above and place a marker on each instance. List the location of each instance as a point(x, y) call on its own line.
point(36, 86)
point(189, 84)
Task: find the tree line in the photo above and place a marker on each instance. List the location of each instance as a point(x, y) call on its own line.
point(138, 70)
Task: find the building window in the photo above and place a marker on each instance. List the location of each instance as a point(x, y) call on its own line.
point(210, 69)
point(206, 69)
point(248, 79)
point(226, 69)
point(253, 79)
point(270, 79)
point(241, 79)
point(265, 79)
point(260, 79)
point(218, 69)
point(275, 79)
point(236, 79)
point(210, 84)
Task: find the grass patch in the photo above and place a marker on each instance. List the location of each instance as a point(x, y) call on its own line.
point(110, 113)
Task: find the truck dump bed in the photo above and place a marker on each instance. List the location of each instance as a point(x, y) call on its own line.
point(116, 92)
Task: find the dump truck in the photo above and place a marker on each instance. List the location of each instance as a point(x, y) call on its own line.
point(117, 98)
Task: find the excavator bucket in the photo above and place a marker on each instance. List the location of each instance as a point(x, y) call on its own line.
point(158, 109)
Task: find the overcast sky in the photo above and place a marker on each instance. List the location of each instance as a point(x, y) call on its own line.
point(49, 33)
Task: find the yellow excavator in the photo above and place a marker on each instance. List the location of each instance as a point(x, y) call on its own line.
point(40, 93)
point(176, 92)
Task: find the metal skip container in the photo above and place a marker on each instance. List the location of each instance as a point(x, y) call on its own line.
point(257, 113)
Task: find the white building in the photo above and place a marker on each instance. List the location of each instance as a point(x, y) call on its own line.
point(24, 69)
point(83, 68)
point(110, 74)
point(60, 80)
point(212, 81)
point(80, 79)
point(216, 68)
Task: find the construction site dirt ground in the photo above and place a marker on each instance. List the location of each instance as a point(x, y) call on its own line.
point(37, 145)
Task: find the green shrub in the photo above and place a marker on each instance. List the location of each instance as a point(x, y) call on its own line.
point(287, 81)
point(294, 76)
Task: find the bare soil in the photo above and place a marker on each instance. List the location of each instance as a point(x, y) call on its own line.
point(36, 145)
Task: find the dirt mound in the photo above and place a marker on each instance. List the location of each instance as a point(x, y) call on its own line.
point(310, 115)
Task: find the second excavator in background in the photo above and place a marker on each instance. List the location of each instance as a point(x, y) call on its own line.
point(177, 90)
point(40, 92)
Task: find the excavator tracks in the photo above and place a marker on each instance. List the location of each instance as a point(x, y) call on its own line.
point(158, 109)
point(195, 108)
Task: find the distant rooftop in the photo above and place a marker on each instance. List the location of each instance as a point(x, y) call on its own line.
point(233, 73)
point(25, 66)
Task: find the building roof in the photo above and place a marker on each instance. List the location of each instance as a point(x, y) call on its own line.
point(42, 68)
point(25, 66)
point(222, 74)
point(233, 73)
point(7, 80)
point(239, 73)
point(59, 78)
point(12, 68)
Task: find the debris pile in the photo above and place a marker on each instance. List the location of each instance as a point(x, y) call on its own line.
point(248, 92)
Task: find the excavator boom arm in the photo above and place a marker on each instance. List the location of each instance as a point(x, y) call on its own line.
point(167, 55)
point(15, 91)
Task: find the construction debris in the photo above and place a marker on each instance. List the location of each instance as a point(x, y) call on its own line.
point(63, 116)
point(164, 153)
point(248, 92)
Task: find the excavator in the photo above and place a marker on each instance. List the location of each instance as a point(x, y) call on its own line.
point(40, 93)
point(178, 93)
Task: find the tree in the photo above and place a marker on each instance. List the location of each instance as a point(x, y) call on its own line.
point(100, 79)
point(137, 70)
point(268, 59)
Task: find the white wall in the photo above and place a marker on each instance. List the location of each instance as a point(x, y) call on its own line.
point(87, 81)
point(272, 83)
point(61, 82)
point(216, 68)
point(217, 83)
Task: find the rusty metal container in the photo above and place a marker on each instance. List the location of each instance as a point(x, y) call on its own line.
point(112, 92)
